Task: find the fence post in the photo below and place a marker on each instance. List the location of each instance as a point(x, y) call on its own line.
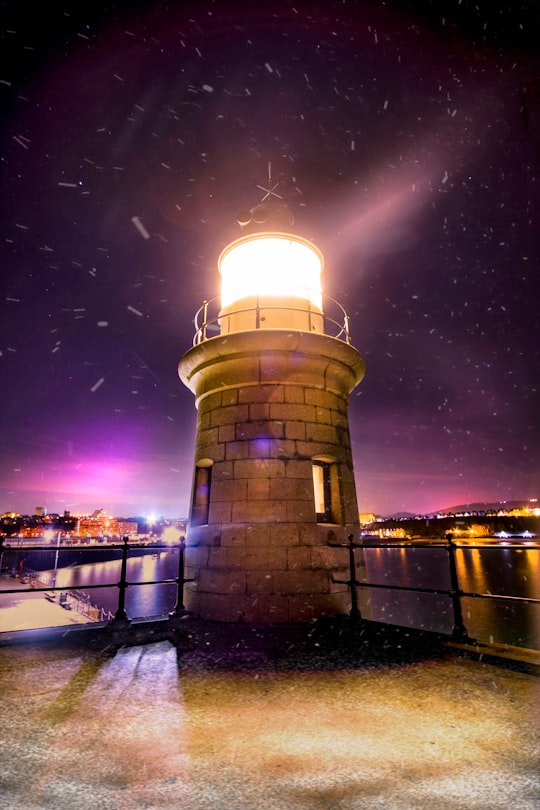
point(459, 631)
point(179, 608)
point(355, 611)
point(121, 614)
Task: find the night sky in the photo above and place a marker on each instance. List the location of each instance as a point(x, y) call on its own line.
point(406, 137)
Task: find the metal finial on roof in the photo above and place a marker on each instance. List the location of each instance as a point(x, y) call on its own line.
point(272, 214)
point(271, 190)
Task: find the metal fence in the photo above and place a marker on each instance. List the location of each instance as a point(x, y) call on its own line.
point(454, 593)
point(72, 597)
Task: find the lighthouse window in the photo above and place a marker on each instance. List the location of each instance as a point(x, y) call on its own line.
point(201, 495)
point(322, 489)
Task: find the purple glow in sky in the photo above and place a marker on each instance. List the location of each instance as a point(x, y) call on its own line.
point(406, 137)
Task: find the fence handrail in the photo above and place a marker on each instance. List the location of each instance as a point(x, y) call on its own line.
point(70, 546)
point(437, 591)
point(409, 544)
point(50, 588)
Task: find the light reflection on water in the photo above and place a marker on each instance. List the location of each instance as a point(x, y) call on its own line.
point(508, 571)
point(142, 601)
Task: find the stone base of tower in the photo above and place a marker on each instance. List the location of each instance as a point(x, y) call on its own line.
point(272, 609)
point(256, 574)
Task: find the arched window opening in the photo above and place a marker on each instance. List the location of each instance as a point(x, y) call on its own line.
point(326, 491)
point(201, 493)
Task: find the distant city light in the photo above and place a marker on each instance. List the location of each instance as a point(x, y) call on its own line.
point(170, 535)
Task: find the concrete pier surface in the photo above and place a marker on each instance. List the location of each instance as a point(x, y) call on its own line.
point(198, 715)
point(34, 610)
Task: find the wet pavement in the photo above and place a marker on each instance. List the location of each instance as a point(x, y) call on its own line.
point(198, 715)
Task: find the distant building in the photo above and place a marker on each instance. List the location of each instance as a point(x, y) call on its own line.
point(100, 524)
point(461, 526)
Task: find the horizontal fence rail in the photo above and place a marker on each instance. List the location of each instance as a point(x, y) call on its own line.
point(459, 631)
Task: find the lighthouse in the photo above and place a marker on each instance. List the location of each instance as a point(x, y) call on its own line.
point(271, 369)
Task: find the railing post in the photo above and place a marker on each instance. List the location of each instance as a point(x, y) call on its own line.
point(310, 324)
point(355, 614)
point(205, 318)
point(179, 607)
point(346, 325)
point(459, 631)
point(121, 614)
point(181, 580)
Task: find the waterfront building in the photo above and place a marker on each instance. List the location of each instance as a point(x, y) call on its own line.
point(100, 524)
point(271, 369)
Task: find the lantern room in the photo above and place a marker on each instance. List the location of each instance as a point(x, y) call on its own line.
point(271, 280)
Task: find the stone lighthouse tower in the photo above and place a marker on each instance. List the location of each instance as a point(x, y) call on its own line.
point(271, 369)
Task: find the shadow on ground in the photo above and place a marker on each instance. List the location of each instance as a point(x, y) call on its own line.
point(322, 644)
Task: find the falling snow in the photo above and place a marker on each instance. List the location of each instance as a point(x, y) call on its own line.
point(406, 145)
point(140, 227)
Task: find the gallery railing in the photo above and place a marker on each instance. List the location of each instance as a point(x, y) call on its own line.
point(333, 318)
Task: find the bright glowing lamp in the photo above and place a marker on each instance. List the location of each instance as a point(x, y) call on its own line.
point(271, 281)
point(170, 535)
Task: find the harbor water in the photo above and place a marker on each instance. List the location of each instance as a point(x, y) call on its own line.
point(487, 569)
